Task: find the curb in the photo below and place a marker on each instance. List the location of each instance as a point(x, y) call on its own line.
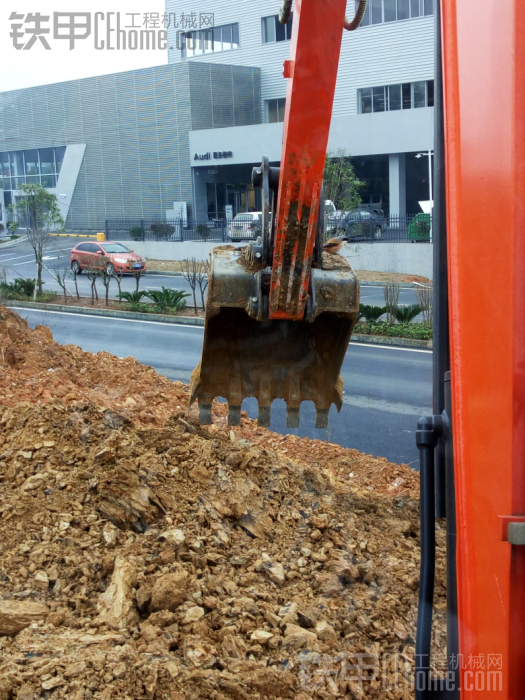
point(73, 235)
point(159, 318)
point(3, 246)
point(388, 340)
point(191, 321)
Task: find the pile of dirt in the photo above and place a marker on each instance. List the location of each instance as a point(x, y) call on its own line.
point(142, 556)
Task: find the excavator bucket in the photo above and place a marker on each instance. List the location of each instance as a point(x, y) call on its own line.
point(246, 354)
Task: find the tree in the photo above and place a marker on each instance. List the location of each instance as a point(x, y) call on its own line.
point(106, 275)
point(190, 271)
point(341, 185)
point(202, 279)
point(39, 209)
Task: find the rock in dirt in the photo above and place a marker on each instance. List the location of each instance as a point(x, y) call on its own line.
point(17, 615)
point(117, 605)
point(168, 592)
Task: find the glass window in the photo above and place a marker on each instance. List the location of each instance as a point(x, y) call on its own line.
point(280, 30)
point(33, 180)
point(366, 100)
point(5, 165)
point(394, 97)
point(378, 99)
point(217, 39)
point(115, 248)
point(406, 90)
point(235, 36)
point(31, 159)
point(221, 198)
point(376, 11)
point(47, 160)
point(60, 152)
point(227, 38)
point(403, 9)
point(48, 180)
point(414, 8)
point(419, 94)
point(430, 93)
point(390, 10)
point(281, 104)
point(273, 30)
point(273, 112)
point(207, 41)
point(288, 26)
point(83, 246)
point(17, 163)
point(17, 181)
point(5, 183)
point(429, 7)
point(210, 197)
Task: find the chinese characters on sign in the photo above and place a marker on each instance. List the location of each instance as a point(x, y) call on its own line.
point(216, 155)
point(109, 30)
point(362, 671)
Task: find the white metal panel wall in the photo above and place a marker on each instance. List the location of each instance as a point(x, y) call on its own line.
point(382, 54)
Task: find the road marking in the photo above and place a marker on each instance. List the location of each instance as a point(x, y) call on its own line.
point(387, 406)
point(390, 347)
point(17, 257)
point(200, 328)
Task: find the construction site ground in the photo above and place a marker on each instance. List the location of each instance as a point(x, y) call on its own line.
point(143, 556)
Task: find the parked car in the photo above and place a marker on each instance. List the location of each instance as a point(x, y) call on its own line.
point(362, 225)
point(246, 226)
point(112, 255)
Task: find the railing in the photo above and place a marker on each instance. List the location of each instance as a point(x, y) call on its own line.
point(414, 228)
point(215, 230)
point(359, 228)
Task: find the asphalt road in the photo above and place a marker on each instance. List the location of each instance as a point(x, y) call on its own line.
point(386, 389)
point(19, 261)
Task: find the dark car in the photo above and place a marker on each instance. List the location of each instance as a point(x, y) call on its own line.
point(363, 225)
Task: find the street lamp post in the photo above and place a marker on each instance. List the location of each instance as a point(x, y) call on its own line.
point(430, 197)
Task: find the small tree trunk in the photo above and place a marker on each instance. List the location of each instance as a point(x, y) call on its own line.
point(95, 288)
point(195, 300)
point(76, 287)
point(39, 276)
point(92, 292)
point(137, 281)
point(107, 294)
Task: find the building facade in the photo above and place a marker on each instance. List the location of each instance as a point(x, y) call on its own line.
point(185, 136)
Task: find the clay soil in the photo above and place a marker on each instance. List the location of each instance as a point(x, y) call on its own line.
point(142, 556)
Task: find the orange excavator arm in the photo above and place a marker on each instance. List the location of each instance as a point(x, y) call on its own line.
point(279, 318)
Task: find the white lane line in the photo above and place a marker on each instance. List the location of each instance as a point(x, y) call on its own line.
point(390, 347)
point(384, 405)
point(17, 257)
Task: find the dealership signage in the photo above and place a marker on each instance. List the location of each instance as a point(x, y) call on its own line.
point(216, 155)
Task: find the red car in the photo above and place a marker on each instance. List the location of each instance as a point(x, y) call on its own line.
point(112, 255)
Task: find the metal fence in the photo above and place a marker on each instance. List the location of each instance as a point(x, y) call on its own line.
point(369, 227)
point(215, 230)
point(358, 227)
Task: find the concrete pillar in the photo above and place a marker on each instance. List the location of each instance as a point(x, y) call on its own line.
point(397, 184)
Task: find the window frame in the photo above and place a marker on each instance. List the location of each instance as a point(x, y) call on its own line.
point(422, 6)
point(196, 36)
point(17, 162)
point(368, 95)
point(280, 105)
point(287, 28)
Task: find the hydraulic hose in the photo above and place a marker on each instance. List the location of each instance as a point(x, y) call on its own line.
point(284, 12)
point(354, 24)
point(429, 430)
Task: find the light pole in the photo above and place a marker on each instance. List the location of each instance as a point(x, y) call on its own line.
point(430, 198)
point(429, 154)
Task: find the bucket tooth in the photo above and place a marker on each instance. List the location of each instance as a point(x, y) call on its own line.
point(292, 417)
point(234, 415)
point(264, 416)
point(265, 400)
point(204, 413)
point(321, 418)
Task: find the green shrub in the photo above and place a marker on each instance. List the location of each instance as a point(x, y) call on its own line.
point(370, 313)
point(419, 228)
point(168, 298)
point(12, 227)
point(136, 233)
point(133, 298)
point(162, 231)
point(202, 231)
point(417, 331)
point(19, 288)
point(406, 314)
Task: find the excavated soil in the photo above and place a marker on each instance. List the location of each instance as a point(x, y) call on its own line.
point(142, 556)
